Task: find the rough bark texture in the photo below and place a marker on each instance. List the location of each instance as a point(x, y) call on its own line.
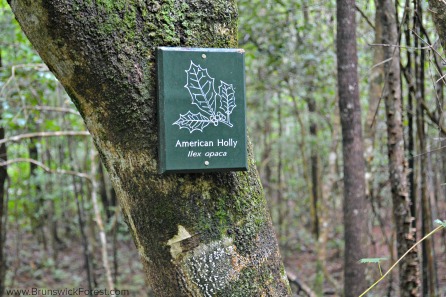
point(197, 234)
point(405, 234)
point(438, 11)
point(355, 206)
point(3, 178)
point(410, 113)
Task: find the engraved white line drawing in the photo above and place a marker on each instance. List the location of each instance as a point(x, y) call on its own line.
point(201, 89)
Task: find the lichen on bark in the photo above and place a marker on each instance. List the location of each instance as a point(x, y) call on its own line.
point(438, 11)
point(103, 52)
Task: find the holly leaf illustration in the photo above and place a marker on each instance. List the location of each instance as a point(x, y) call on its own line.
point(201, 88)
point(227, 94)
point(227, 100)
point(192, 121)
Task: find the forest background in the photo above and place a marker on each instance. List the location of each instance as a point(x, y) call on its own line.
point(57, 197)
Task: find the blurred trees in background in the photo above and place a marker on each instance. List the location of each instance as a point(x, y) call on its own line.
point(49, 228)
point(49, 225)
point(292, 82)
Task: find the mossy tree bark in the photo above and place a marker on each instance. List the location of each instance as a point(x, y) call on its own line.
point(438, 11)
point(197, 234)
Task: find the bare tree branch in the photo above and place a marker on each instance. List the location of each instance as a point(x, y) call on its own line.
point(56, 109)
point(434, 119)
point(45, 134)
point(292, 278)
point(365, 17)
point(40, 66)
point(431, 151)
point(46, 168)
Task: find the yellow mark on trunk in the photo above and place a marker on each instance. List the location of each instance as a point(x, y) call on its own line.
point(175, 242)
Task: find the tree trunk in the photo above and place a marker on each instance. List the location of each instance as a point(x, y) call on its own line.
point(39, 215)
point(315, 173)
point(428, 268)
point(438, 10)
point(405, 234)
point(355, 206)
point(197, 234)
point(375, 91)
point(106, 201)
point(408, 74)
point(3, 211)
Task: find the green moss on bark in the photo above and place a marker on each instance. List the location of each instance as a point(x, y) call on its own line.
point(438, 11)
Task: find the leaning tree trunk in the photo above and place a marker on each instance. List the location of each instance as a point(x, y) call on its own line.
point(438, 10)
point(406, 236)
point(197, 234)
point(355, 205)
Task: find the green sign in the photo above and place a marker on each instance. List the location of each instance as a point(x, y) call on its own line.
point(201, 109)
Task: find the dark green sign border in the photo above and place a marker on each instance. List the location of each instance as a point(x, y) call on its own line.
point(201, 110)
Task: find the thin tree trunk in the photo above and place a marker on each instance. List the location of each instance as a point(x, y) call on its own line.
point(315, 174)
point(49, 221)
point(305, 166)
point(3, 217)
point(197, 234)
point(280, 202)
point(408, 74)
point(266, 161)
point(114, 232)
point(439, 15)
point(405, 234)
point(103, 193)
point(85, 245)
point(319, 223)
point(328, 188)
point(375, 91)
point(98, 218)
point(77, 192)
point(429, 273)
point(38, 218)
point(3, 206)
point(355, 205)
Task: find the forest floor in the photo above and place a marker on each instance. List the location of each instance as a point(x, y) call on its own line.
point(30, 266)
point(302, 264)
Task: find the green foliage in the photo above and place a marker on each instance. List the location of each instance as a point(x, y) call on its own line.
point(442, 223)
point(43, 223)
point(372, 260)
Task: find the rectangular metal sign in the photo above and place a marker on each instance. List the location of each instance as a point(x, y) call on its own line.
point(201, 109)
